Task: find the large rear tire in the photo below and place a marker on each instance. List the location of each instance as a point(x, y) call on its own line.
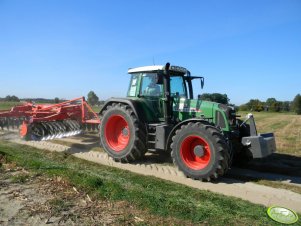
point(121, 134)
point(200, 151)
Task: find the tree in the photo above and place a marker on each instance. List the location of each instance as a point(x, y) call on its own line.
point(273, 104)
point(286, 106)
point(244, 107)
point(56, 100)
point(297, 104)
point(255, 105)
point(92, 98)
point(12, 98)
point(216, 97)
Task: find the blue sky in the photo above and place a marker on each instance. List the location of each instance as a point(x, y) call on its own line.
point(59, 48)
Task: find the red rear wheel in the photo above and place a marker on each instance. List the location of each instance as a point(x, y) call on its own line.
point(122, 135)
point(117, 133)
point(195, 152)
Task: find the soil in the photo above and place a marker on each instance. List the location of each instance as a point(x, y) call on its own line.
point(31, 199)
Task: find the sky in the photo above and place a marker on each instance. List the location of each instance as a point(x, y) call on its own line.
point(60, 48)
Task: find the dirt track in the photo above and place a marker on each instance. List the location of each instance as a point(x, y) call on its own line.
point(252, 192)
point(27, 198)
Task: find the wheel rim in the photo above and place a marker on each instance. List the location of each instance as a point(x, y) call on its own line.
point(187, 152)
point(117, 133)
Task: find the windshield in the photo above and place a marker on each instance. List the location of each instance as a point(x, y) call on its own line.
point(149, 86)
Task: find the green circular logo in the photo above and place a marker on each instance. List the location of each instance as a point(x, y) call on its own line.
point(282, 215)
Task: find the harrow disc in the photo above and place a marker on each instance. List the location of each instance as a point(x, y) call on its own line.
point(37, 132)
point(50, 130)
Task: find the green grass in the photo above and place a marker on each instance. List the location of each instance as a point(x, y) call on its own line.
point(154, 195)
point(5, 105)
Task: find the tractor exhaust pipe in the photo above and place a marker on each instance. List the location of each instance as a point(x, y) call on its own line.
point(167, 102)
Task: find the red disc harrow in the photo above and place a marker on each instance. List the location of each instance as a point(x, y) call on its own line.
point(49, 121)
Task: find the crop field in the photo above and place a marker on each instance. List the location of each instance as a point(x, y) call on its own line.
point(285, 126)
point(4, 105)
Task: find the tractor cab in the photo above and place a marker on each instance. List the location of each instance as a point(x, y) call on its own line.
point(148, 82)
point(147, 85)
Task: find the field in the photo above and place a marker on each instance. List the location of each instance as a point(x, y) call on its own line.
point(155, 201)
point(286, 127)
point(140, 200)
point(4, 105)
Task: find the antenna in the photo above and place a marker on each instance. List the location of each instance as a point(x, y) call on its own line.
point(153, 60)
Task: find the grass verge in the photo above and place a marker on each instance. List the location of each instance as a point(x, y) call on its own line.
point(154, 195)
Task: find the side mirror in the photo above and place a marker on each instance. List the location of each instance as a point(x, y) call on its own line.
point(202, 82)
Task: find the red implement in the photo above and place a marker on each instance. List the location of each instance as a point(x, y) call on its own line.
point(49, 121)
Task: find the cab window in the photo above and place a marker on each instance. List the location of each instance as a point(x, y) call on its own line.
point(133, 86)
point(149, 86)
point(177, 86)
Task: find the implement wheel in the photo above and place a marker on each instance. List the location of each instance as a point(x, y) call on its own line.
point(200, 151)
point(121, 135)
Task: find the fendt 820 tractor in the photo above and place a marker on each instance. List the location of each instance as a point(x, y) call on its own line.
point(161, 114)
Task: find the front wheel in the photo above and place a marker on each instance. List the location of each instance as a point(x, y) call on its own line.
point(200, 151)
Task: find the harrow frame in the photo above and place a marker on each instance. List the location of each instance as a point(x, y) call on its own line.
point(50, 120)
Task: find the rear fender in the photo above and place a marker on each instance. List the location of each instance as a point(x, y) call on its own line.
point(131, 103)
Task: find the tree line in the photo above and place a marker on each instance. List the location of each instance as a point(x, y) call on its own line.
point(270, 105)
point(273, 105)
point(10, 98)
point(92, 99)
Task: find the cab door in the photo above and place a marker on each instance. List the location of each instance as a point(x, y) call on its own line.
point(152, 93)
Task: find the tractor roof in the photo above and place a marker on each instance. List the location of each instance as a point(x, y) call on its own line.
point(155, 68)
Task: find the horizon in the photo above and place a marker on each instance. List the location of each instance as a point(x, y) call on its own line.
point(64, 99)
point(247, 50)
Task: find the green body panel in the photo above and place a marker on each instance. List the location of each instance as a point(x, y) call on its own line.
point(183, 109)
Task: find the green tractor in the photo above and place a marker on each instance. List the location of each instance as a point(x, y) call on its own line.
point(161, 114)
